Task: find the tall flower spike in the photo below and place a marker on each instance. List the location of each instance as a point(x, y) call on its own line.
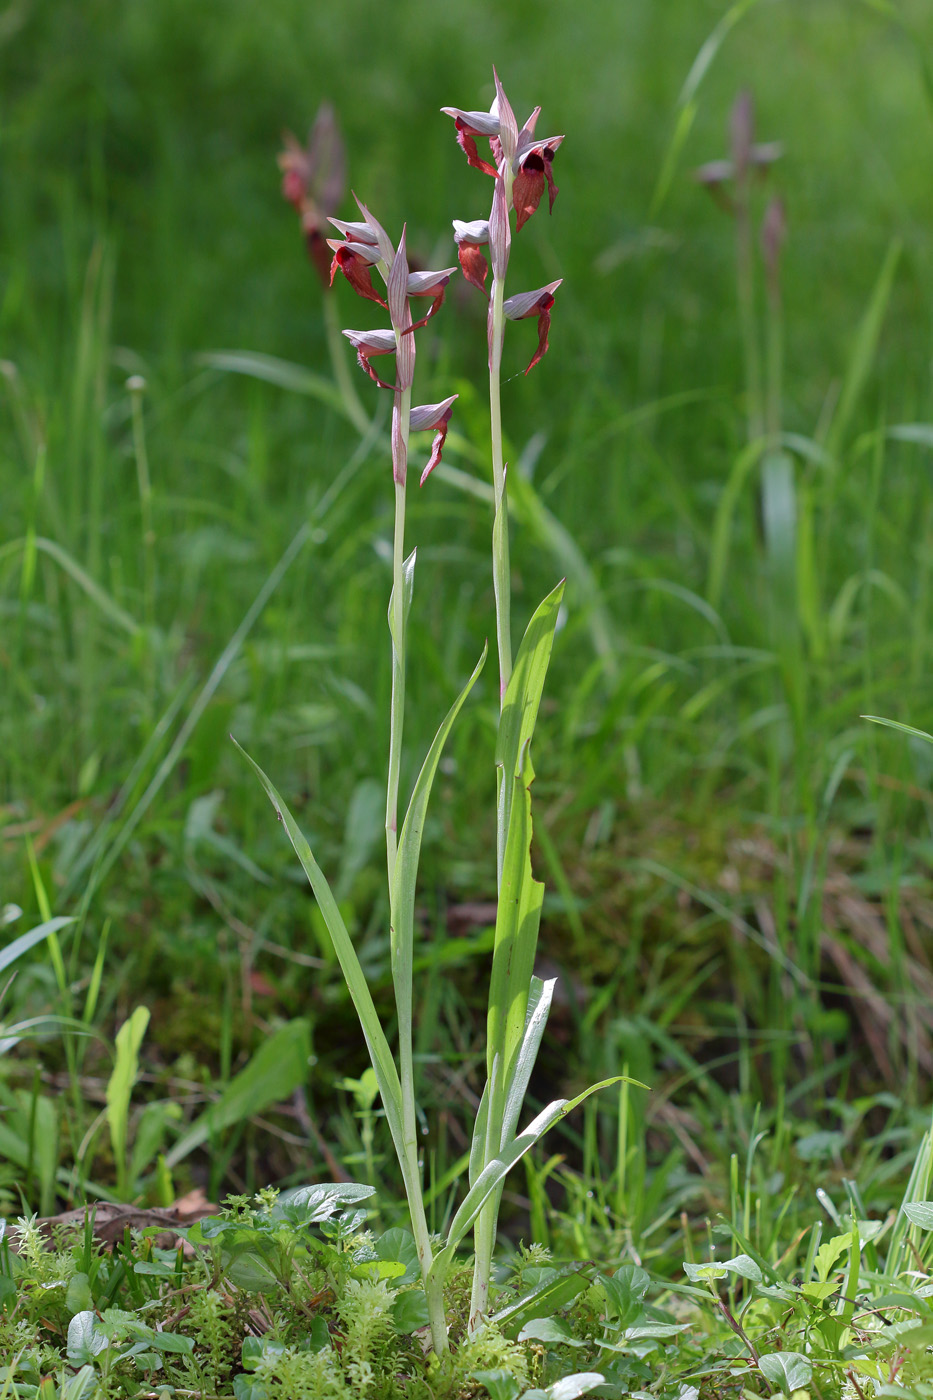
point(537, 303)
point(314, 180)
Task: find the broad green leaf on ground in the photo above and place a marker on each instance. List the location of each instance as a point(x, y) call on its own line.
point(568, 1387)
point(309, 1205)
point(788, 1370)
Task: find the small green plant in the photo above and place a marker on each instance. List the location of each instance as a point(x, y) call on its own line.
point(519, 1002)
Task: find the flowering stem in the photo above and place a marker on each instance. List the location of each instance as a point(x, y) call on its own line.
point(746, 296)
point(398, 621)
point(500, 539)
point(484, 1234)
point(397, 627)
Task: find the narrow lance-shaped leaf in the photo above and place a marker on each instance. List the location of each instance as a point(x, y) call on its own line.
point(524, 691)
point(28, 940)
point(376, 1043)
point(496, 1170)
point(408, 587)
point(480, 1125)
point(539, 1006)
point(406, 867)
point(517, 920)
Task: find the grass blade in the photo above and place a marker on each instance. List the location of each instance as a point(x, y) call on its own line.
point(28, 940)
point(863, 352)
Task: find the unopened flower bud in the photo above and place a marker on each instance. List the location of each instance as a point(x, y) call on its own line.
point(400, 312)
point(508, 126)
point(500, 233)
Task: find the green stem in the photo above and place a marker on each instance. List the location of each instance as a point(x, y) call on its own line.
point(398, 620)
point(500, 538)
point(484, 1232)
point(397, 627)
point(746, 294)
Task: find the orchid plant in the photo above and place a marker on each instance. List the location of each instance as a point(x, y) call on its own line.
point(378, 270)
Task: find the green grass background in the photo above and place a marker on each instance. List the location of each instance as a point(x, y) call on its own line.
point(737, 864)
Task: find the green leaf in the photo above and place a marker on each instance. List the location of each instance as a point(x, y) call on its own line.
point(539, 1005)
point(568, 1387)
point(744, 1266)
point(919, 1213)
point(864, 348)
point(80, 1386)
point(518, 917)
point(120, 1089)
point(376, 1043)
point(498, 1384)
point(309, 1205)
point(789, 1370)
point(702, 1273)
point(496, 1170)
point(85, 1340)
point(279, 1066)
point(544, 1299)
point(904, 728)
point(404, 883)
point(410, 1311)
point(78, 1296)
point(526, 685)
point(172, 1342)
point(154, 1267)
point(28, 940)
point(549, 1329)
point(828, 1253)
point(283, 373)
point(399, 1245)
point(408, 588)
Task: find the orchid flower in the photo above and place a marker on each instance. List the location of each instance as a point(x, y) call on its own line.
point(746, 156)
point(314, 180)
point(364, 249)
point(537, 303)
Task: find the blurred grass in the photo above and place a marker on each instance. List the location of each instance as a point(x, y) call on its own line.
point(725, 871)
